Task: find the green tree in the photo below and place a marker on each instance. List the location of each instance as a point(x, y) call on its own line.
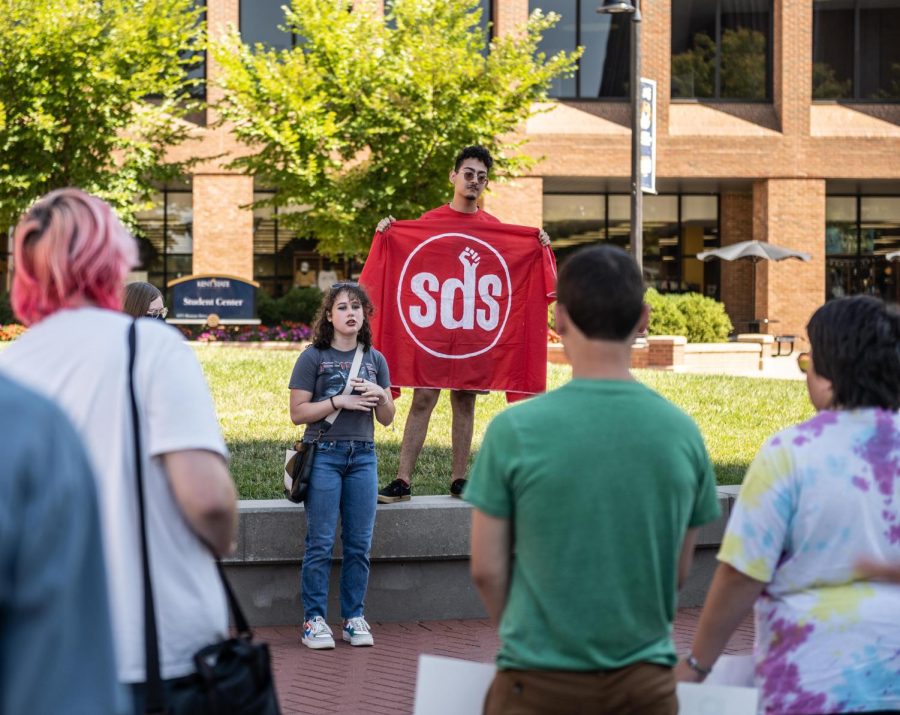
point(363, 118)
point(76, 82)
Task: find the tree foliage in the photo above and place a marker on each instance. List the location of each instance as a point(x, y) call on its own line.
point(75, 77)
point(364, 116)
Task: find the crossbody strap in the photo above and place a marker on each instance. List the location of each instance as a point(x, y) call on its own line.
point(348, 388)
point(155, 695)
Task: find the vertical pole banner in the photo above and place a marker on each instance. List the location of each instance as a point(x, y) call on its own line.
point(648, 135)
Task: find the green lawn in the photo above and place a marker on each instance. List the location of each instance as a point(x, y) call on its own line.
point(250, 389)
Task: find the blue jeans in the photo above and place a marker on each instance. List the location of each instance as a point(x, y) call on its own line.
point(344, 481)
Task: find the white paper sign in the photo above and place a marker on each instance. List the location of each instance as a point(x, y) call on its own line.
point(448, 686)
point(694, 699)
point(732, 670)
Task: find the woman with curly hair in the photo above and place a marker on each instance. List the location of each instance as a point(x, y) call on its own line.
point(344, 478)
point(820, 500)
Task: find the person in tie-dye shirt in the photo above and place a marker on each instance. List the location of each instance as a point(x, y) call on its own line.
point(819, 498)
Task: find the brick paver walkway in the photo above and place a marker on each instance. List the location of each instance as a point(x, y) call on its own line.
point(381, 680)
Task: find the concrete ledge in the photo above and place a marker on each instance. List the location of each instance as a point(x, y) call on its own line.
point(420, 561)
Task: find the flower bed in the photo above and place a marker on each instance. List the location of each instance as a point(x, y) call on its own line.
point(11, 332)
point(284, 333)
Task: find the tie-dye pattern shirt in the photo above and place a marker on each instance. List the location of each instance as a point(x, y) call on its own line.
point(817, 497)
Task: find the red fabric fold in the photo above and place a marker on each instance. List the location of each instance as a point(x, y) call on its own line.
point(462, 308)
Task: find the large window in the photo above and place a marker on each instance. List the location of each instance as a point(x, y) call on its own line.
point(856, 50)
point(282, 260)
point(196, 70)
point(859, 232)
point(604, 67)
point(165, 236)
point(261, 21)
point(721, 49)
point(676, 229)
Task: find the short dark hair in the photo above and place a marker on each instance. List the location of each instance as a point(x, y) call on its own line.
point(602, 291)
point(856, 344)
point(476, 151)
point(323, 330)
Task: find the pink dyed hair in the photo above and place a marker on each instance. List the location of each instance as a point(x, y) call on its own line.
point(70, 249)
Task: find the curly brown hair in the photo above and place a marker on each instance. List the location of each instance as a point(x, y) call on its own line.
point(323, 330)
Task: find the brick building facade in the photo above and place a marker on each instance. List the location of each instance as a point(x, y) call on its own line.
point(788, 150)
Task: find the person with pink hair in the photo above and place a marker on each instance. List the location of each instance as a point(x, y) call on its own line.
point(71, 258)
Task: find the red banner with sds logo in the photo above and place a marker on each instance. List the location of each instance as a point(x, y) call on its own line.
point(461, 308)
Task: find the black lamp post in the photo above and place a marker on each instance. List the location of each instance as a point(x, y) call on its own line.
point(626, 7)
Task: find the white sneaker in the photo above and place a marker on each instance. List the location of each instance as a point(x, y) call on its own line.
point(356, 632)
point(317, 634)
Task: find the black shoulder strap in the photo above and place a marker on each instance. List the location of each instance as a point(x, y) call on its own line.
point(155, 695)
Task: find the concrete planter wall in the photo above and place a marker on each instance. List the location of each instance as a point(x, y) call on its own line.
point(748, 353)
point(420, 561)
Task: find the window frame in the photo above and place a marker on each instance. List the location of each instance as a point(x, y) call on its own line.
point(680, 195)
point(626, 98)
point(857, 65)
point(165, 191)
point(241, 3)
point(858, 257)
point(770, 66)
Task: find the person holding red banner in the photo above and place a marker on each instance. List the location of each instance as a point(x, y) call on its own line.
point(469, 178)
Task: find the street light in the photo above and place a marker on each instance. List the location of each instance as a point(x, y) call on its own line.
point(625, 7)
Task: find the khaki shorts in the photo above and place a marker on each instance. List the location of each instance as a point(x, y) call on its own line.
point(639, 689)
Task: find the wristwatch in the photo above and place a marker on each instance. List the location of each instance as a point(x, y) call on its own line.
point(697, 668)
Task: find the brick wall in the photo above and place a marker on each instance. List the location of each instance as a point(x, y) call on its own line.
point(520, 201)
point(223, 231)
point(736, 221)
point(509, 14)
point(791, 213)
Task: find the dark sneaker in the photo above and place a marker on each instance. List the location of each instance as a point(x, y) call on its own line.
point(456, 488)
point(357, 632)
point(397, 490)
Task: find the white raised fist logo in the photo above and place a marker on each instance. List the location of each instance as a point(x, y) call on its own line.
point(472, 295)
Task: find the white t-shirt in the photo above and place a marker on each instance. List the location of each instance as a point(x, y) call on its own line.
point(78, 358)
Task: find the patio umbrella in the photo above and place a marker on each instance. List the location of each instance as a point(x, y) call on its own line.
point(894, 256)
point(753, 251)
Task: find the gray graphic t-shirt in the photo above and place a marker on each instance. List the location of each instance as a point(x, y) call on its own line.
point(324, 373)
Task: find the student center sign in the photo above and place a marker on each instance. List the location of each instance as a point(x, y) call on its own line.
point(213, 299)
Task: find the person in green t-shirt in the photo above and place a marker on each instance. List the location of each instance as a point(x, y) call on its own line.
point(598, 488)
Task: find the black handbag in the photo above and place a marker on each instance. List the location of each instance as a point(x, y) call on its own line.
point(234, 676)
point(299, 467)
point(299, 460)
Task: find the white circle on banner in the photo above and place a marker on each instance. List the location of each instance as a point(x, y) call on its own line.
point(434, 319)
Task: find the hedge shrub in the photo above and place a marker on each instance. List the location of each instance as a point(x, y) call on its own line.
point(298, 305)
point(665, 317)
point(696, 317)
